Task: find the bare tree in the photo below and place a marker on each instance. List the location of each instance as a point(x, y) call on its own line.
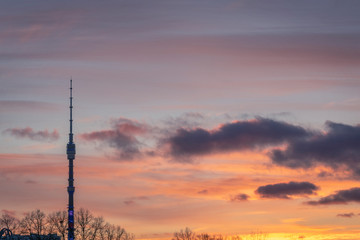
point(112, 232)
point(25, 225)
point(87, 227)
point(257, 236)
point(203, 236)
point(236, 237)
point(218, 237)
point(108, 232)
point(119, 233)
point(128, 236)
point(206, 236)
point(39, 222)
point(33, 222)
point(186, 234)
point(83, 220)
point(97, 226)
point(57, 222)
point(10, 222)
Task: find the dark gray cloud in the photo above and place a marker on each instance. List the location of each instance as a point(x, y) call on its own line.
point(28, 132)
point(239, 197)
point(339, 146)
point(340, 197)
point(286, 190)
point(122, 137)
point(235, 136)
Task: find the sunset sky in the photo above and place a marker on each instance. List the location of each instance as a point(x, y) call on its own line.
point(224, 116)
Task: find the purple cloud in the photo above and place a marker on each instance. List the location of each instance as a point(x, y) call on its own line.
point(286, 190)
point(28, 132)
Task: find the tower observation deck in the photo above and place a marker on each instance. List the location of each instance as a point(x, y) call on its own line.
point(70, 151)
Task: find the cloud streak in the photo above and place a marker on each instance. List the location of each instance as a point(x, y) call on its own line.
point(16, 106)
point(287, 190)
point(346, 215)
point(29, 133)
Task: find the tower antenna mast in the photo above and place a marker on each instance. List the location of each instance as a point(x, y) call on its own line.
point(70, 151)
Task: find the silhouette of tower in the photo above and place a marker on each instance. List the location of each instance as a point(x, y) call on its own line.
point(70, 151)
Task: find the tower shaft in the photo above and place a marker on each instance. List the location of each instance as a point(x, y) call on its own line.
point(70, 151)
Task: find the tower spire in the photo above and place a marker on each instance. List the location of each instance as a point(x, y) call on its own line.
point(71, 120)
point(70, 151)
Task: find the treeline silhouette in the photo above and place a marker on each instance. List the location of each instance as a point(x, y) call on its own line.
point(87, 226)
point(188, 234)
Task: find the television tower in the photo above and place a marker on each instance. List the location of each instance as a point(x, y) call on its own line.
point(70, 151)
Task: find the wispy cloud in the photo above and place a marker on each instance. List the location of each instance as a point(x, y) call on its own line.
point(122, 137)
point(346, 215)
point(134, 200)
point(287, 190)
point(189, 119)
point(239, 197)
point(204, 191)
point(29, 133)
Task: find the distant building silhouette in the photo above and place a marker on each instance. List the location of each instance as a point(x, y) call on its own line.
point(31, 237)
point(6, 234)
